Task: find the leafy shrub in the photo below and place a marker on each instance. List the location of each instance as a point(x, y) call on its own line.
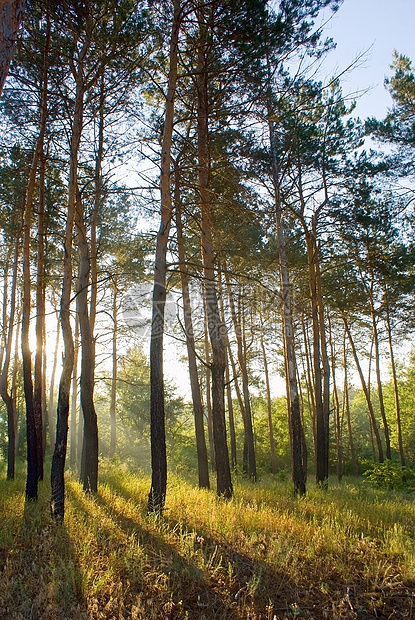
point(392, 476)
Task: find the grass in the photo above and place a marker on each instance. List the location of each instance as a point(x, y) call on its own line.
point(348, 552)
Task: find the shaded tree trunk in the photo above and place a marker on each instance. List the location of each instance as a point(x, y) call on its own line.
point(372, 416)
point(395, 389)
point(293, 401)
point(11, 14)
point(61, 442)
point(346, 408)
point(157, 494)
point(113, 398)
point(7, 395)
point(89, 461)
point(202, 459)
point(274, 467)
point(249, 447)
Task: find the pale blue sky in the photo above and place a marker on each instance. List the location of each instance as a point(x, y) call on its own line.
point(360, 24)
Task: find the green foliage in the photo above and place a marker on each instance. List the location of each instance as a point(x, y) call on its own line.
point(392, 476)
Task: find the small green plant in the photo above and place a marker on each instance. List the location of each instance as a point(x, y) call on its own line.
point(392, 476)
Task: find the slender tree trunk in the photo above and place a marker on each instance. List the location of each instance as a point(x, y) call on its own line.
point(295, 422)
point(338, 421)
point(395, 389)
point(40, 322)
point(366, 393)
point(249, 448)
point(32, 439)
point(75, 448)
point(274, 467)
point(346, 407)
point(379, 381)
point(228, 386)
point(89, 466)
point(208, 383)
point(113, 400)
point(7, 396)
point(61, 442)
point(202, 459)
point(52, 403)
point(223, 473)
point(11, 14)
point(157, 494)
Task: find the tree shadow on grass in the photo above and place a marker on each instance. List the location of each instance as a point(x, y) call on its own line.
point(40, 578)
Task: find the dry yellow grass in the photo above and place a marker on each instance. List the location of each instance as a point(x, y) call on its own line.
point(345, 553)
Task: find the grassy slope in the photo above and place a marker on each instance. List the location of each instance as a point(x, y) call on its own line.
point(344, 553)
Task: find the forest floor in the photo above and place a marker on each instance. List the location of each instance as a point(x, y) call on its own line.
point(346, 552)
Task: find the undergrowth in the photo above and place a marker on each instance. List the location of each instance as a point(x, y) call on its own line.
point(346, 552)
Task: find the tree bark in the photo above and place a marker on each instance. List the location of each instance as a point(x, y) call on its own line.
point(11, 14)
point(249, 448)
point(202, 459)
point(372, 416)
point(294, 413)
point(113, 400)
point(157, 494)
point(346, 408)
point(274, 467)
point(7, 396)
point(395, 389)
point(89, 465)
point(224, 486)
point(59, 454)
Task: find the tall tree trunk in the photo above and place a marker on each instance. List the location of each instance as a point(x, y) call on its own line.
point(75, 447)
point(32, 439)
point(224, 486)
point(7, 395)
point(294, 413)
point(157, 494)
point(372, 416)
point(274, 467)
point(51, 401)
point(338, 421)
point(38, 394)
point(89, 466)
point(319, 366)
point(11, 14)
point(208, 384)
point(395, 388)
point(202, 459)
point(346, 408)
point(379, 380)
point(113, 399)
point(249, 448)
point(228, 385)
point(61, 442)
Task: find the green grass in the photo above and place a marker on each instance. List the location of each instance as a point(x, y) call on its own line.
point(348, 552)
